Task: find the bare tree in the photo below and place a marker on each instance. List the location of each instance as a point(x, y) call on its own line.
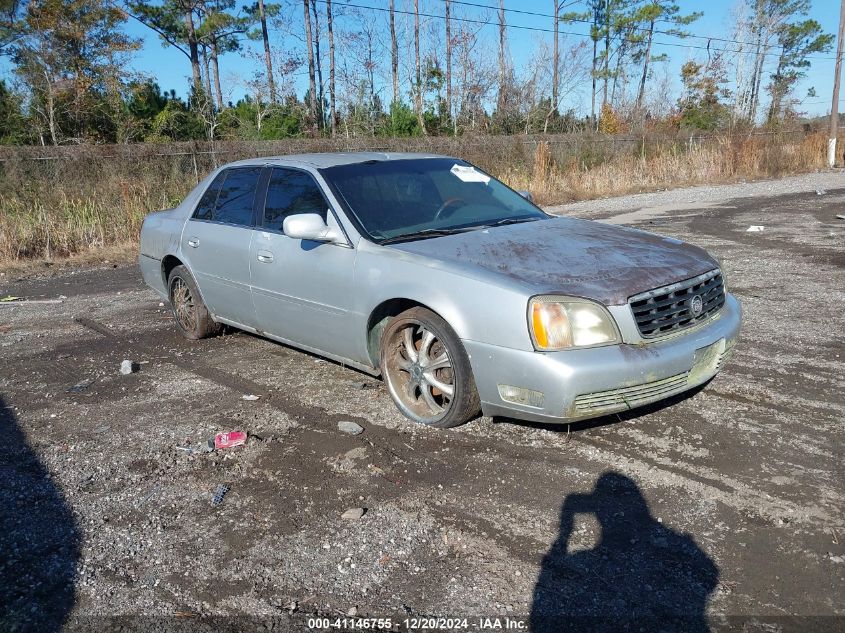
point(500, 102)
point(555, 57)
point(394, 54)
point(761, 46)
point(318, 62)
point(741, 80)
point(268, 60)
point(312, 80)
point(449, 60)
point(607, 21)
point(651, 17)
point(214, 57)
point(207, 67)
point(418, 76)
point(362, 47)
point(597, 9)
point(533, 89)
point(476, 77)
point(333, 112)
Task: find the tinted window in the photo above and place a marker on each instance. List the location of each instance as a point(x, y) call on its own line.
point(205, 208)
point(237, 196)
point(291, 192)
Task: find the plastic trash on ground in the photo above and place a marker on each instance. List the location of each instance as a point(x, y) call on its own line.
point(219, 493)
point(230, 439)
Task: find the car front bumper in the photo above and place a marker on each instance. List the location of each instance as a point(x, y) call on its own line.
point(585, 383)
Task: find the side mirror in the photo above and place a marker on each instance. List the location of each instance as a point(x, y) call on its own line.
point(526, 194)
point(310, 226)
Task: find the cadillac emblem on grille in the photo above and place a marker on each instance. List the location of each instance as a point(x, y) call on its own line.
point(678, 305)
point(696, 305)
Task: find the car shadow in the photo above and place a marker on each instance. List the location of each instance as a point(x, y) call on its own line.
point(39, 538)
point(637, 574)
point(605, 420)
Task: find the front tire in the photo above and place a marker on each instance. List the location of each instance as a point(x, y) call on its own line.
point(192, 317)
point(427, 370)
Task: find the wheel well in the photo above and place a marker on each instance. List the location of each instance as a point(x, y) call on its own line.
point(380, 317)
point(167, 265)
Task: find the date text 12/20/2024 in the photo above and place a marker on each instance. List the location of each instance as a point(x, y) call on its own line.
point(419, 624)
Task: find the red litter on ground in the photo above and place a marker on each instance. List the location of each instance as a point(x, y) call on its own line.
point(229, 440)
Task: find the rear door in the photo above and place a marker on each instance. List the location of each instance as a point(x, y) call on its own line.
point(302, 290)
point(216, 242)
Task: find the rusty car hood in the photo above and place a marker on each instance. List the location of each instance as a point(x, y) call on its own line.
point(571, 256)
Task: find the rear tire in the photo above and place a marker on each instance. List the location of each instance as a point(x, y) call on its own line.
point(427, 371)
point(192, 317)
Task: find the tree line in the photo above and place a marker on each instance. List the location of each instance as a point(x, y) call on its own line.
point(397, 68)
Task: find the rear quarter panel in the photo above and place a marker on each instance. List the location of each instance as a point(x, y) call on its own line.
point(161, 233)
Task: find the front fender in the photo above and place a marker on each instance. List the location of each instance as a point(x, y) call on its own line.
point(477, 309)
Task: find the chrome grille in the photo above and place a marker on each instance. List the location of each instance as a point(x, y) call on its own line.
point(669, 308)
point(630, 397)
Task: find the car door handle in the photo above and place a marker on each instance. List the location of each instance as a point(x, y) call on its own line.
point(265, 257)
point(193, 242)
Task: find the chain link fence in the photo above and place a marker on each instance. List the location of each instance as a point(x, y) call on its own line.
point(190, 162)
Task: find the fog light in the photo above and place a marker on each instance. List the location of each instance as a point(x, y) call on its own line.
point(521, 395)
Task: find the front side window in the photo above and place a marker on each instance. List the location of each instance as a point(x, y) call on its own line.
point(231, 197)
point(395, 199)
point(291, 192)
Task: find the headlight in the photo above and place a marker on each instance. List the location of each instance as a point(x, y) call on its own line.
point(561, 322)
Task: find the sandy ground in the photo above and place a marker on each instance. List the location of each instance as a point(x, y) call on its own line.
point(720, 510)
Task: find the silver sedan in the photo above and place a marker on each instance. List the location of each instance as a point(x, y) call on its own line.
point(460, 292)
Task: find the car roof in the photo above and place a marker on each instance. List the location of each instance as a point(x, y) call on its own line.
point(332, 159)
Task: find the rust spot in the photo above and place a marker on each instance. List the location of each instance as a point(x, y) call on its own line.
point(582, 258)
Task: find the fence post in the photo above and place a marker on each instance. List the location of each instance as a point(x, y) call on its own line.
point(196, 171)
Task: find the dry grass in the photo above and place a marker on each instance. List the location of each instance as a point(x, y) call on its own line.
point(113, 255)
point(724, 160)
point(76, 202)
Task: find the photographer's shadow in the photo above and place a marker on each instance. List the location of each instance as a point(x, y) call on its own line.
point(638, 574)
point(40, 540)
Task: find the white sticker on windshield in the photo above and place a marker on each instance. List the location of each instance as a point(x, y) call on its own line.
point(469, 174)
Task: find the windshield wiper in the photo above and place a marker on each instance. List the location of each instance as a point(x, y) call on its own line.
point(426, 233)
point(506, 221)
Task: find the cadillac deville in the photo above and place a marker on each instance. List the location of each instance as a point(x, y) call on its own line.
point(458, 291)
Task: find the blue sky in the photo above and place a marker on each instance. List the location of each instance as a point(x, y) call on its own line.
point(171, 69)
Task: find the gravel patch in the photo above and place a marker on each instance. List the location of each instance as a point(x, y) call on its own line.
point(817, 181)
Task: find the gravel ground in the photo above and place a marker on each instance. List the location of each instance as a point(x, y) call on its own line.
point(722, 509)
point(673, 198)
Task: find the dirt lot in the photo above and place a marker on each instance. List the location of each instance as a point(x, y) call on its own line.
point(723, 509)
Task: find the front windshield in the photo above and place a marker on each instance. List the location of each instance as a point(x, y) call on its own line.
point(396, 198)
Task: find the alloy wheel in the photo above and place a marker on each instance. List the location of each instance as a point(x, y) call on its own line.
point(419, 373)
point(183, 305)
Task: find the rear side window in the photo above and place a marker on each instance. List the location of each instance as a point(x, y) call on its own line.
point(233, 196)
point(291, 192)
point(237, 196)
point(205, 208)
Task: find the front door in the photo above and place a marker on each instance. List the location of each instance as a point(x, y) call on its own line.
point(302, 290)
point(216, 242)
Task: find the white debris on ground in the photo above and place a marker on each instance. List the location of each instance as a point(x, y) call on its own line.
point(351, 428)
point(129, 367)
